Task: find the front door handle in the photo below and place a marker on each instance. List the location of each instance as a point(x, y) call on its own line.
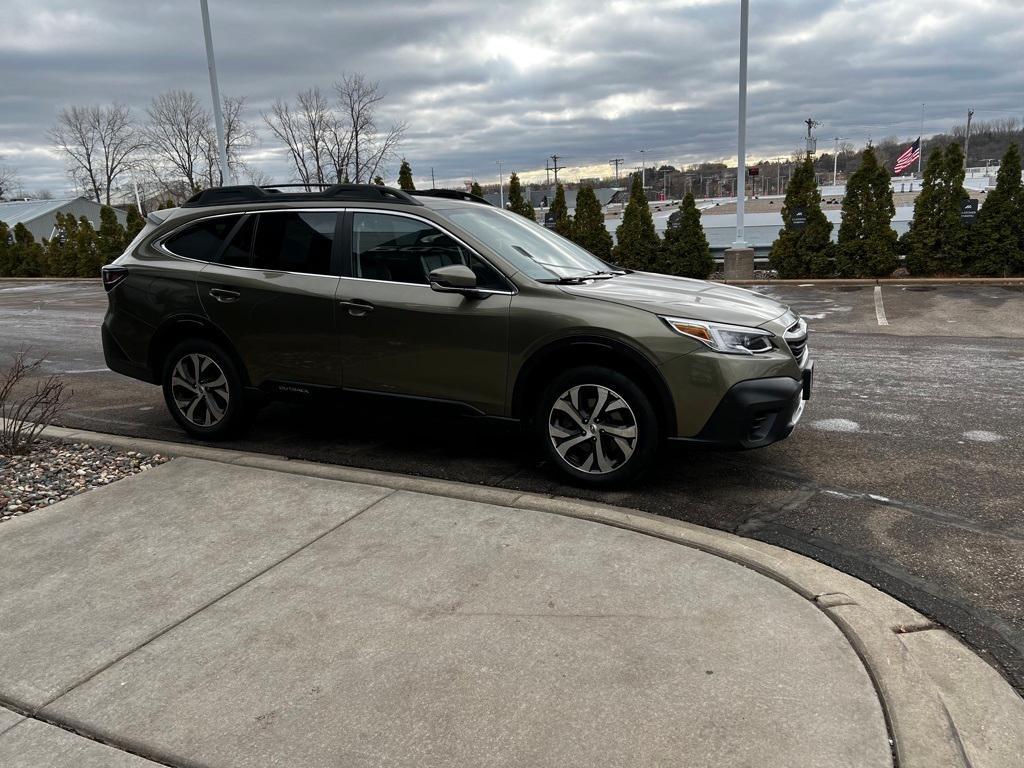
point(357, 307)
point(225, 296)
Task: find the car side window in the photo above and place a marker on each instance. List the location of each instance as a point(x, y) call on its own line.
point(405, 250)
point(239, 250)
point(295, 241)
point(202, 241)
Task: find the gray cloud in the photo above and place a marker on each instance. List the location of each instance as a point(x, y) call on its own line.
point(520, 80)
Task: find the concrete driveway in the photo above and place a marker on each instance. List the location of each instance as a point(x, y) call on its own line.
point(209, 614)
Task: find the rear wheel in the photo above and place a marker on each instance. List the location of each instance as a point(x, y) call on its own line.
point(203, 390)
point(597, 426)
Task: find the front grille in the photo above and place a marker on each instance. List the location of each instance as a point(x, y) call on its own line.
point(797, 346)
point(796, 338)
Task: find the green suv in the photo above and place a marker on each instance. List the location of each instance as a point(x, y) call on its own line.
point(248, 293)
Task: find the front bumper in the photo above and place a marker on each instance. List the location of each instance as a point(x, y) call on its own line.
point(757, 412)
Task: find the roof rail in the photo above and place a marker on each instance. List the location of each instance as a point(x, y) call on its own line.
point(250, 193)
point(453, 194)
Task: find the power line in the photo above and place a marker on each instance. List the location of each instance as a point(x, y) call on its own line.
point(616, 162)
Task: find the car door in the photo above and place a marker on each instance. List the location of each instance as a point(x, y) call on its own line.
point(271, 291)
point(399, 336)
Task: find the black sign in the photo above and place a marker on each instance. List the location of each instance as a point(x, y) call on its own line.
point(799, 218)
point(968, 212)
point(549, 220)
point(754, 171)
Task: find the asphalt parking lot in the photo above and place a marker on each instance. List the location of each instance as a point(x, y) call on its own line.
point(907, 470)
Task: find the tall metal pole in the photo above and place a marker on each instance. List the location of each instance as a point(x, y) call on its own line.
point(920, 137)
point(643, 170)
point(218, 117)
point(501, 186)
point(741, 153)
point(835, 158)
point(967, 138)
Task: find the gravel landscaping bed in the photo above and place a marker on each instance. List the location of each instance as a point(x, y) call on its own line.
point(54, 471)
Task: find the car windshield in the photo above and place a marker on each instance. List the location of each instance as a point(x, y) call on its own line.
point(534, 250)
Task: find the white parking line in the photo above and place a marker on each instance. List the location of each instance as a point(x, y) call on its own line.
point(879, 306)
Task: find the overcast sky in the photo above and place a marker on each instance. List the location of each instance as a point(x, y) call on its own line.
point(517, 81)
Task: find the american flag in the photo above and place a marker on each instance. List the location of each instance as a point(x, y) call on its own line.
point(910, 156)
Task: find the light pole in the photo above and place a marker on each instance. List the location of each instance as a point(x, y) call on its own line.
point(739, 259)
point(835, 157)
point(501, 186)
point(643, 170)
point(218, 117)
point(741, 150)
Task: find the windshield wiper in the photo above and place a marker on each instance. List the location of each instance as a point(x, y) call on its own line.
point(580, 279)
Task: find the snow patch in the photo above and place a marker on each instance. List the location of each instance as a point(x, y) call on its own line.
point(981, 436)
point(836, 425)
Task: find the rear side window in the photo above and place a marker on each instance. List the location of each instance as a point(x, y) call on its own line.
point(297, 241)
point(203, 240)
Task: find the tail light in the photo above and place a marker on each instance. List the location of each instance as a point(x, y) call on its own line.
point(112, 276)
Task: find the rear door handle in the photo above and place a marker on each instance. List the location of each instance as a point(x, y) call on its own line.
point(225, 296)
point(357, 307)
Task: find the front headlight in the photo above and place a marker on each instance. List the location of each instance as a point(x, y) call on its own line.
point(732, 339)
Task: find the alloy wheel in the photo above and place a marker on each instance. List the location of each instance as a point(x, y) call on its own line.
point(200, 389)
point(593, 429)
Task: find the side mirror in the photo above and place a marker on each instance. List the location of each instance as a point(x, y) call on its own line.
point(455, 278)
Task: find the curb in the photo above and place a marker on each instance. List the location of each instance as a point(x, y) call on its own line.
point(836, 282)
point(943, 704)
point(49, 279)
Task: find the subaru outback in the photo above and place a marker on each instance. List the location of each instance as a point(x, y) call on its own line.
point(248, 293)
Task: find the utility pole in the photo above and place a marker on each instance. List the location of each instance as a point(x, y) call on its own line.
point(501, 186)
point(835, 157)
point(433, 184)
point(218, 116)
point(555, 167)
point(967, 138)
point(643, 170)
point(616, 162)
point(812, 141)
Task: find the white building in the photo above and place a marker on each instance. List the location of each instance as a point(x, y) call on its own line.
point(40, 216)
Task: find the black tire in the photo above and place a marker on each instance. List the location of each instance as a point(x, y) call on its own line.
point(584, 450)
point(220, 409)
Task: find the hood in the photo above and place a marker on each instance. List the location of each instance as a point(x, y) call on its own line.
point(683, 297)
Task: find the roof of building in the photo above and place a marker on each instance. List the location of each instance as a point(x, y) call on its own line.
point(27, 210)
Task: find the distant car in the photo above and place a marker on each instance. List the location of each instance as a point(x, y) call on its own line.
point(245, 293)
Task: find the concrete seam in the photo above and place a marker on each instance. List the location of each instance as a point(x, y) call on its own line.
point(128, 745)
point(97, 740)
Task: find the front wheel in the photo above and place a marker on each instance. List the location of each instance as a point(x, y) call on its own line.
point(203, 390)
point(597, 426)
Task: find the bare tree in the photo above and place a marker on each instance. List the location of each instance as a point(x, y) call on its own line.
point(312, 135)
point(238, 136)
point(178, 137)
point(256, 176)
point(329, 144)
point(100, 143)
point(359, 99)
point(10, 182)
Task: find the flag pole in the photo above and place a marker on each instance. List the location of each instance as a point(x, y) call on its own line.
point(920, 138)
